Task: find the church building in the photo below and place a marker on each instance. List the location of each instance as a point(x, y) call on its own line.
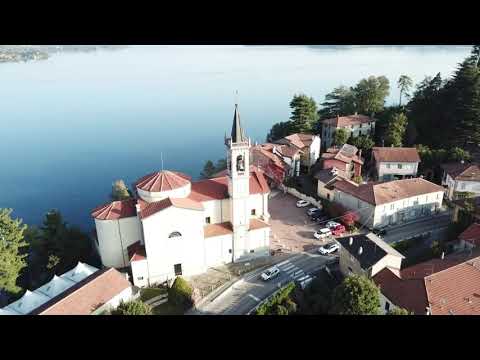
point(174, 226)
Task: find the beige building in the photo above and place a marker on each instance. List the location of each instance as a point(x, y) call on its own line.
point(355, 124)
point(461, 178)
point(395, 162)
point(390, 203)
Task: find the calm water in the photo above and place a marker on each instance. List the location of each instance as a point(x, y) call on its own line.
point(74, 123)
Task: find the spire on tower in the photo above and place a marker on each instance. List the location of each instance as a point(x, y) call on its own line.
point(237, 131)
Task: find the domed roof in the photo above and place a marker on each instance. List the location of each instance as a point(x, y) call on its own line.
point(163, 181)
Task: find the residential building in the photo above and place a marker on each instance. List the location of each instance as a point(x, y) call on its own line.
point(461, 178)
point(470, 205)
point(336, 164)
point(175, 226)
point(441, 286)
point(355, 124)
point(367, 254)
point(271, 160)
point(393, 163)
point(84, 290)
point(309, 145)
point(388, 203)
point(470, 238)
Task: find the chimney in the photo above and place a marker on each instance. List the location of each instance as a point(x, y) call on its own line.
point(356, 113)
point(350, 241)
point(360, 250)
point(137, 207)
point(462, 162)
point(427, 310)
point(443, 255)
point(360, 154)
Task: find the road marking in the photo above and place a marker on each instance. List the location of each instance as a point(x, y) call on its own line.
point(283, 262)
point(254, 297)
point(299, 274)
point(291, 266)
point(292, 270)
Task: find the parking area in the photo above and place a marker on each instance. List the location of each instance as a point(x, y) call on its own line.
point(291, 228)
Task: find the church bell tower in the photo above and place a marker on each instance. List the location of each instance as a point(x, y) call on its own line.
point(238, 162)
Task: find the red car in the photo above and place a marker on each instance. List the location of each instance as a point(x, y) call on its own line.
point(339, 230)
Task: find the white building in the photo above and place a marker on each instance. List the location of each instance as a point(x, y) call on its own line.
point(393, 163)
point(83, 290)
point(309, 145)
point(178, 227)
point(356, 125)
point(389, 203)
point(461, 178)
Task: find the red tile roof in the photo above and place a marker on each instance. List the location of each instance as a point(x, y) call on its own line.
point(162, 181)
point(464, 172)
point(257, 224)
point(347, 154)
point(155, 207)
point(87, 295)
point(115, 210)
point(217, 188)
point(212, 230)
point(136, 252)
point(300, 140)
point(395, 154)
point(448, 286)
point(471, 234)
point(342, 121)
point(377, 193)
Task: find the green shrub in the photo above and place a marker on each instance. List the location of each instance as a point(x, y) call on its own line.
point(133, 307)
point(281, 310)
point(180, 293)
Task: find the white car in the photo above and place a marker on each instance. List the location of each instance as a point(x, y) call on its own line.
point(270, 273)
point(302, 203)
point(312, 210)
point(322, 233)
point(328, 249)
point(332, 224)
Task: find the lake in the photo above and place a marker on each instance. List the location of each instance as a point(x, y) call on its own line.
point(76, 122)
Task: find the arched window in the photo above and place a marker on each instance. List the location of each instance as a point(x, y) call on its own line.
point(240, 163)
point(174, 234)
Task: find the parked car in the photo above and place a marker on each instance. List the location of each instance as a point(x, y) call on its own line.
point(332, 224)
point(322, 233)
point(319, 217)
point(313, 210)
point(380, 232)
point(302, 203)
point(339, 230)
point(270, 273)
point(328, 249)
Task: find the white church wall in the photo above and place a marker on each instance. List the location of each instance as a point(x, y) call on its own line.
point(255, 202)
point(218, 250)
point(140, 272)
point(217, 210)
point(226, 212)
point(164, 252)
point(114, 237)
point(157, 196)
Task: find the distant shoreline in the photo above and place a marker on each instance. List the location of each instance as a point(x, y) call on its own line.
point(26, 53)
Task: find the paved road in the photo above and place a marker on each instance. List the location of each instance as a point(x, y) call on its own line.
point(435, 224)
point(247, 293)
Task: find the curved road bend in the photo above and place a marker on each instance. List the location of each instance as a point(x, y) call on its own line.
point(246, 293)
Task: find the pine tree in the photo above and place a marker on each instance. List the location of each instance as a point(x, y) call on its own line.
point(304, 113)
point(119, 191)
point(396, 130)
point(208, 170)
point(12, 258)
point(341, 102)
point(404, 84)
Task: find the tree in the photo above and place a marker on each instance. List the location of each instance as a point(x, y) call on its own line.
point(132, 307)
point(12, 242)
point(370, 94)
point(208, 170)
point(220, 165)
point(180, 293)
point(341, 102)
point(341, 136)
point(363, 142)
point(350, 218)
point(304, 113)
point(396, 130)
point(280, 130)
point(119, 191)
point(404, 84)
point(458, 154)
point(358, 179)
point(356, 295)
point(399, 311)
